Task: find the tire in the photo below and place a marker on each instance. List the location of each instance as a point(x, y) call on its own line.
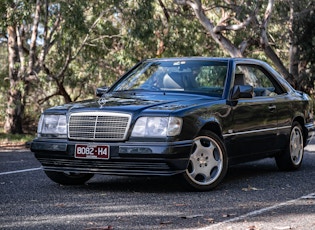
point(291, 158)
point(69, 178)
point(208, 162)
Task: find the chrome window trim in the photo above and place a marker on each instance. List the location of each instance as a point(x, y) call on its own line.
point(256, 131)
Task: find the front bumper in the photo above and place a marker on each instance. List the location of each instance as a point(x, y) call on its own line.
point(141, 158)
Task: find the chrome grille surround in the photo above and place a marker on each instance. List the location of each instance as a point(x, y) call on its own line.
point(98, 126)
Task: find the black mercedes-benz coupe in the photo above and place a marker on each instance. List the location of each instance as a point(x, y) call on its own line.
point(191, 116)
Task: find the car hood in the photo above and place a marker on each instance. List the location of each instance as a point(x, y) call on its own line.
point(137, 102)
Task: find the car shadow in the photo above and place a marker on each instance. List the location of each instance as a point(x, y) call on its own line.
point(238, 175)
point(134, 184)
point(258, 168)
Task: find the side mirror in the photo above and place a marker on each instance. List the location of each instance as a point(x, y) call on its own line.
point(101, 90)
point(242, 91)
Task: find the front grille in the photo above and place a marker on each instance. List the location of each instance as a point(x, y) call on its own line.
point(102, 126)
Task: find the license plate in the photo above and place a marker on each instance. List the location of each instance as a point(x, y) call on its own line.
point(92, 151)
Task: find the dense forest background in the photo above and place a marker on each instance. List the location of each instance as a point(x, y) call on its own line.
point(54, 52)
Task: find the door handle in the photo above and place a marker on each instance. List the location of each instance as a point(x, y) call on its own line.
point(272, 108)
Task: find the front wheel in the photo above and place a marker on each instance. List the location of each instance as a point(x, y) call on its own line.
point(69, 178)
point(292, 157)
point(208, 162)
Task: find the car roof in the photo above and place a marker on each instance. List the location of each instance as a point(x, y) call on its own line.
point(204, 58)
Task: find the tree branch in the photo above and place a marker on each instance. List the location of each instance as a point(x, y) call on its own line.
point(165, 11)
point(20, 49)
point(264, 42)
point(41, 101)
point(219, 38)
point(83, 43)
point(32, 55)
point(219, 28)
point(62, 71)
point(47, 41)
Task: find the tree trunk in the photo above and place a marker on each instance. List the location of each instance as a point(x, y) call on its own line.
point(294, 50)
point(270, 53)
point(15, 107)
point(63, 92)
point(264, 42)
point(219, 38)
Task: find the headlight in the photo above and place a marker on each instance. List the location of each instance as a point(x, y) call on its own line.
point(157, 127)
point(52, 126)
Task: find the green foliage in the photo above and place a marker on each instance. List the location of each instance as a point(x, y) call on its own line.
point(302, 36)
point(212, 76)
point(14, 12)
point(13, 139)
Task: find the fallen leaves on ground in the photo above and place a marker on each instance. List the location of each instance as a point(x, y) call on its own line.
point(283, 228)
point(191, 216)
point(60, 205)
point(228, 215)
point(178, 204)
point(109, 227)
point(210, 220)
point(251, 188)
point(166, 222)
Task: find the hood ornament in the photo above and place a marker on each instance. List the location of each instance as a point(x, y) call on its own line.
point(102, 101)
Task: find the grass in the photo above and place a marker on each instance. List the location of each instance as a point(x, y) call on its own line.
point(7, 140)
point(15, 138)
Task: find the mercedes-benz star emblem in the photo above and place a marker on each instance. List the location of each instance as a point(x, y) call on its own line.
point(102, 101)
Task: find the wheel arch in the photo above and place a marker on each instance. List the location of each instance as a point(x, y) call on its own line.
point(214, 127)
point(301, 121)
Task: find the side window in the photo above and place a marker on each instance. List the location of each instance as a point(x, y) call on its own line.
point(258, 79)
point(212, 76)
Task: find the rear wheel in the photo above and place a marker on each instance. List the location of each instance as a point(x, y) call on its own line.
point(69, 178)
point(292, 157)
point(208, 162)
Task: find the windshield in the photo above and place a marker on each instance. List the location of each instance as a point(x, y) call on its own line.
point(188, 75)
